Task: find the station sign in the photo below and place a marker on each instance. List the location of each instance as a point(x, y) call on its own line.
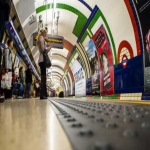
point(55, 40)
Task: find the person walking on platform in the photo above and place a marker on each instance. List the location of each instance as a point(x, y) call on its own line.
point(28, 81)
point(42, 47)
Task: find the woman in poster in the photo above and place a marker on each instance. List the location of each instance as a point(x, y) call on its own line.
point(105, 63)
point(105, 70)
point(95, 78)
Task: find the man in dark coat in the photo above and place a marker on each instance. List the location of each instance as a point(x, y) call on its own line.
point(28, 80)
point(2, 99)
point(5, 6)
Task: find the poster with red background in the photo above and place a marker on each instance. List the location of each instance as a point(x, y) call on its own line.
point(105, 56)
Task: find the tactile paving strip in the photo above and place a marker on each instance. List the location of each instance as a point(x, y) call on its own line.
point(104, 126)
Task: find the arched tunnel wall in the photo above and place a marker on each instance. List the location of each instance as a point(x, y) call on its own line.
point(110, 54)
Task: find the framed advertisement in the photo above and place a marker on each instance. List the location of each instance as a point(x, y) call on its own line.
point(95, 69)
point(79, 78)
point(105, 57)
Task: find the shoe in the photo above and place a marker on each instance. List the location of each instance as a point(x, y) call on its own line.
point(43, 97)
point(2, 99)
point(19, 97)
point(13, 97)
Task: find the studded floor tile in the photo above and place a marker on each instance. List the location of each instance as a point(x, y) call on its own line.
point(104, 126)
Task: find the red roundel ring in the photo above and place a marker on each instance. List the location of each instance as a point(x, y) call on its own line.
point(124, 44)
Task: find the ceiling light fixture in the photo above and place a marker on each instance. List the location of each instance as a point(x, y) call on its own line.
point(55, 17)
point(46, 4)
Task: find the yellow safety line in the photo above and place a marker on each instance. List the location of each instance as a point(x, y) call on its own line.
point(123, 101)
point(143, 102)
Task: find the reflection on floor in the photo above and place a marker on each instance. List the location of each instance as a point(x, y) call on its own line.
point(30, 125)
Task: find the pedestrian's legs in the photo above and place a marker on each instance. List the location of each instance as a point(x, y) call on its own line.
point(28, 90)
point(14, 86)
point(43, 92)
point(19, 91)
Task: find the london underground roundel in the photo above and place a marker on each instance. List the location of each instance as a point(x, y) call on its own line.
point(124, 52)
point(124, 61)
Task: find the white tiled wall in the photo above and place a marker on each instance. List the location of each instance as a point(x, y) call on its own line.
point(131, 96)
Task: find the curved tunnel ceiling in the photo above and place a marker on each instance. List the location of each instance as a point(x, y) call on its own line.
point(78, 22)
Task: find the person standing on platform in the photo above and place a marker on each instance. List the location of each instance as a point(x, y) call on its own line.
point(2, 98)
point(28, 81)
point(21, 79)
point(42, 46)
point(8, 67)
point(5, 6)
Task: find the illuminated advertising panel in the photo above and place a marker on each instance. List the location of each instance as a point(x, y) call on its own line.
point(105, 57)
point(79, 77)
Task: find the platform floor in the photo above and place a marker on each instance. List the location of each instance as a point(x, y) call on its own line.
point(104, 125)
point(30, 124)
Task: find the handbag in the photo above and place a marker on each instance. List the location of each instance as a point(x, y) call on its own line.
point(46, 60)
point(6, 81)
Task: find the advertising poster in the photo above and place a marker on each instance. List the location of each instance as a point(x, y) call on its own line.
point(82, 63)
point(143, 10)
point(73, 89)
point(88, 86)
point(104, 51)
point(69, 84)
point(94, 63)
point(79, 78)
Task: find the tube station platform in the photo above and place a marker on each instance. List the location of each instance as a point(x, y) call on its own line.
point(74, 124)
